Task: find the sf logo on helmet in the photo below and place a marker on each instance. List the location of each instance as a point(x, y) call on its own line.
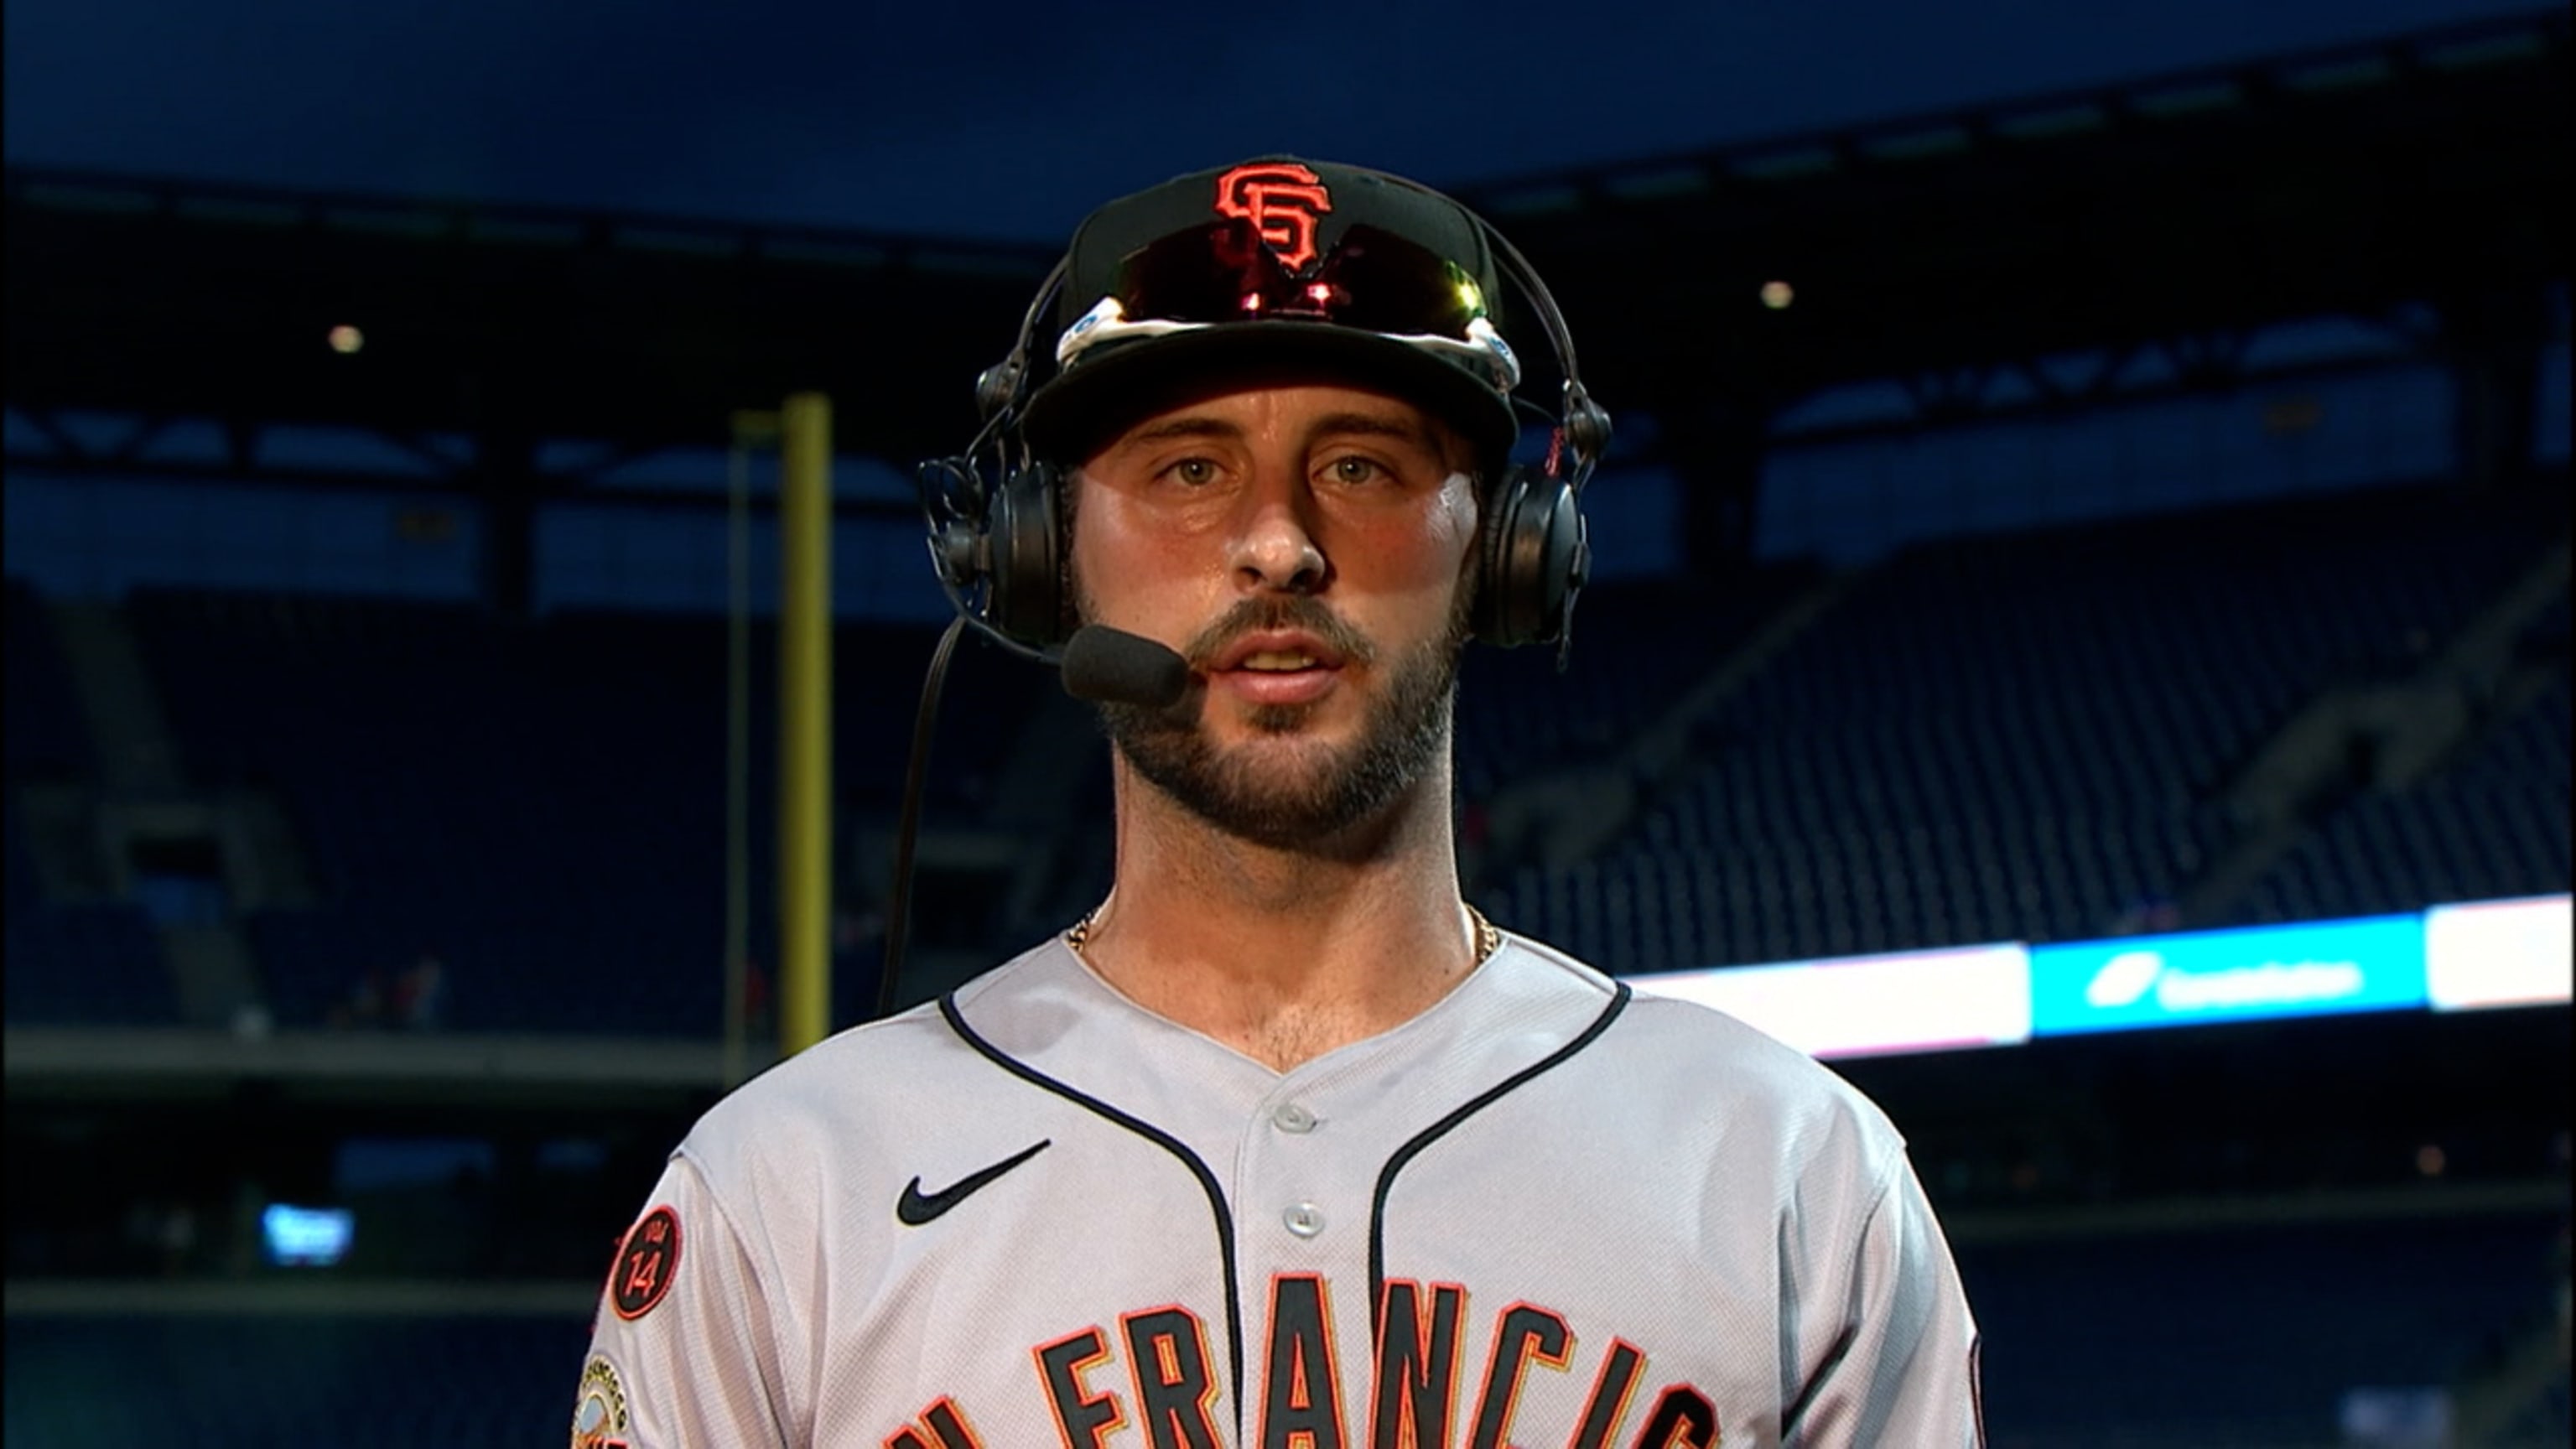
point(1282, 201)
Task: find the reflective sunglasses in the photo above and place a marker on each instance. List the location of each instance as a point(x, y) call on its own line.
point(1371, 281)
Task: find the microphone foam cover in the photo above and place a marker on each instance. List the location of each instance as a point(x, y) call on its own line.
point(1112, 666)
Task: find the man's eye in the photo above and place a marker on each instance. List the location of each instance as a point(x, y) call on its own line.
point(1355, 469)
point(1195, 472)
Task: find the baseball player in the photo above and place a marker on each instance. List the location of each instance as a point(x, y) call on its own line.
point(1283, 1145)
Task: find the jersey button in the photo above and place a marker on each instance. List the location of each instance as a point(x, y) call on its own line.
point(1290, 1117)
point(1305, 1219)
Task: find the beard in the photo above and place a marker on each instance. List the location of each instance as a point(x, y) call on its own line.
point(1298, 794)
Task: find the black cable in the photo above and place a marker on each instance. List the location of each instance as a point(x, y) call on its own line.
point(908, 825)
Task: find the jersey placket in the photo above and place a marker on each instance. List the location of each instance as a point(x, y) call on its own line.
point(1304, 1175)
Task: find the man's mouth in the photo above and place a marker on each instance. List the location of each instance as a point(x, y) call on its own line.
point(1279, 661)
point(1275, 651)
point(1281, 667)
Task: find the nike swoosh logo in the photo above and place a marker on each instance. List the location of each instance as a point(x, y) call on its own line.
point(916, 1207)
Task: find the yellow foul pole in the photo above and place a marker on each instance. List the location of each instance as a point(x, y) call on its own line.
point(805, 722)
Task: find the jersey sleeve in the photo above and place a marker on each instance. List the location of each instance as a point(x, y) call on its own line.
point(1900, 1365)
point(684, 1349)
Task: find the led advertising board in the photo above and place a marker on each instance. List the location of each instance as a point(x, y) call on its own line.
point(2462, 957)
point(2499, 953)
point(1913, 1001)
point(2317, 968)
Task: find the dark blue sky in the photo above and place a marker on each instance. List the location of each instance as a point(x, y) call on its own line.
point(1006, 120)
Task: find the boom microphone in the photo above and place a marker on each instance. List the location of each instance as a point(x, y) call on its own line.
point(1112, 666)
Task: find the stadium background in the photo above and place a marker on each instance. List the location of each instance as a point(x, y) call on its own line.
point(2135, 508)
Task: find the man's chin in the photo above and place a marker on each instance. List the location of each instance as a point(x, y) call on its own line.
point(1282, 719)
point(1281, 765)
point(1286, 790)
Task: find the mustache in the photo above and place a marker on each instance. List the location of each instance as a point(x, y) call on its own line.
point(1279, 611)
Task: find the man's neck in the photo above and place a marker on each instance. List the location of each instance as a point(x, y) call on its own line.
point(1283, 955)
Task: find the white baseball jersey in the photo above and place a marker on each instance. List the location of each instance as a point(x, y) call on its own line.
point(1544, 1212)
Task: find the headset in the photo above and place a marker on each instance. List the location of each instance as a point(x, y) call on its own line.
point(995, 513)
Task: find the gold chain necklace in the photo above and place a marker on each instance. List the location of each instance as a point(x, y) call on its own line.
point(1489, 938)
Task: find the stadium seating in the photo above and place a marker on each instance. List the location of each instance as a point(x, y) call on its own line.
point(87, 965)
point(401, 737)
point(2020, 737)
point(2492, 824)
point(94, 964)
point(541, 803)
point(46, 739)
point(1638, 646)
point(79, 965)
point(2008, 737)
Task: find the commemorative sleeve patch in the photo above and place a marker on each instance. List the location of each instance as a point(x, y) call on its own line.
point(646, 1262)
point(599, 1414)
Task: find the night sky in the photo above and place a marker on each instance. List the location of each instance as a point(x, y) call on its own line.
point(1009, 121)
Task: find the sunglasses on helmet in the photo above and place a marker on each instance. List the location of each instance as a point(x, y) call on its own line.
point(1371, 281)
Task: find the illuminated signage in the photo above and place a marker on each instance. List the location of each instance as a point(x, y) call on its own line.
point(1914, 1001)
point(2452, 958)
point(2499, 953)
point(300, 1237)
point(2308, 969)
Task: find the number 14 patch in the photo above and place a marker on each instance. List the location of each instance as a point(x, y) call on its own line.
point(646, 1262)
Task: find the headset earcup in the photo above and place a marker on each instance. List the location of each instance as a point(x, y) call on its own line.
point(1536, 559)
point(1024, 538)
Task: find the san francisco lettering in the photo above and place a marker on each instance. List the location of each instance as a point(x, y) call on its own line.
point(1154, 1371)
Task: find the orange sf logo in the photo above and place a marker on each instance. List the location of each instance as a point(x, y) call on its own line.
point(1282, 201)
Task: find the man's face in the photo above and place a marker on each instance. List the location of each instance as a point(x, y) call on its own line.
point(1303, 548)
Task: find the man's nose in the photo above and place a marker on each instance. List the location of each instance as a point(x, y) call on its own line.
point(1275, 546)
